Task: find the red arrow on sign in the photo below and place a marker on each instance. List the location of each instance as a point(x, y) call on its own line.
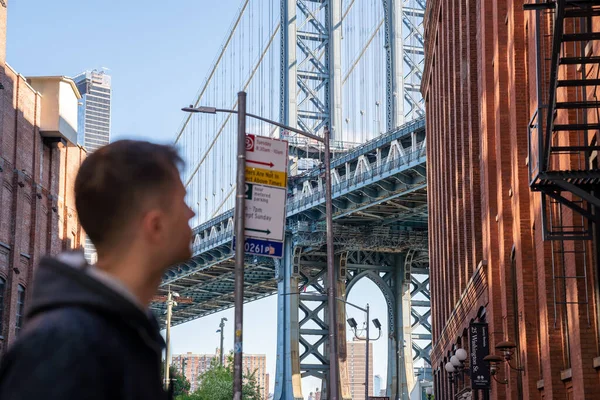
point(268, 164)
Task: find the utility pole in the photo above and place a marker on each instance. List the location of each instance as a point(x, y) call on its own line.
point(168, 299)
point(222, 327)
point(367, 360)
point(367, 338)
point(168, 349)
point(240, 200)
point(239, 224)
point(331, 275)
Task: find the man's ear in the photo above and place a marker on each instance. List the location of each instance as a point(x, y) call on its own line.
point(153, 225)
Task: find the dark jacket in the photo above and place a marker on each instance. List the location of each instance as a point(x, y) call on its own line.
point(82, 340)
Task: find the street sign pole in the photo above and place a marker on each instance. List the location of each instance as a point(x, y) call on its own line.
point(331, 275)
point(239, 250)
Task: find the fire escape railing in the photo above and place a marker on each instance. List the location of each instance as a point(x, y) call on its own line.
point(563, 143)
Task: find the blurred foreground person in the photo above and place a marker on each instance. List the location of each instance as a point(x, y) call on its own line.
point(88, 332)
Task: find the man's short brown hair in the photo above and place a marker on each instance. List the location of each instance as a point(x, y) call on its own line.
point(113, 182)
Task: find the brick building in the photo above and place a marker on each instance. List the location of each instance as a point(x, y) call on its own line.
point(38, 164)
point(194, 365)
point(356, 365)
point(499, 255)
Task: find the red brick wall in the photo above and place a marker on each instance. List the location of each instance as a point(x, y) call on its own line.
point(479, 87)
point(37, 215)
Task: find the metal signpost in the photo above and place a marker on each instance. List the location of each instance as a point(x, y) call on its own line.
point(261, 192)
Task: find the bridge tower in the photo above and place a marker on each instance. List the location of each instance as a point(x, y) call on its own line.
point(311, 88)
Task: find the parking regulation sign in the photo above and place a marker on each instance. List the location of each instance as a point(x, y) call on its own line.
point(265, 195)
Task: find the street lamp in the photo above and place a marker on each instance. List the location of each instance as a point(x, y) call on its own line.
point(221, 326)
point(429, 392)
point(239, 233)
point(170, 304)
point(354, 325)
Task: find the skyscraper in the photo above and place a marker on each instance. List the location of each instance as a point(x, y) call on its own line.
point(93, 129)
point(94, 110)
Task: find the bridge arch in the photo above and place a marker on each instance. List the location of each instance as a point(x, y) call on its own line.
point(387, 292)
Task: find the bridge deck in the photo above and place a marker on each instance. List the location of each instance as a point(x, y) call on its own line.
point(380, 203)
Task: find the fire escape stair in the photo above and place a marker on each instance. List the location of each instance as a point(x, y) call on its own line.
point(575, 184)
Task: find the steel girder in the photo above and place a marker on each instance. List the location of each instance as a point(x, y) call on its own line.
point(393, 188)
point(305, 331)
point(400, 278)
point(311, 65)
point(405, 57)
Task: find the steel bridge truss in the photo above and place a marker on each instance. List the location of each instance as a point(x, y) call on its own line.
point(405, 57)
point(380, 226)
point(303, 305)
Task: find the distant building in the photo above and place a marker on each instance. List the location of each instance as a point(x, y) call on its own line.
point(194, 365)
point(94, 109)
point(93, 129)
point(356, 362)
point(377, 385)
point(266, 391)
point(257, 363)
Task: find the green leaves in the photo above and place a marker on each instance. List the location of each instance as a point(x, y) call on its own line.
point(181, 385)
point(217, 384)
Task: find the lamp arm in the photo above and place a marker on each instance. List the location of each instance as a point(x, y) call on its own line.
point(358, 337)
point(503, 381)
point(520, 369)
point(378, 336)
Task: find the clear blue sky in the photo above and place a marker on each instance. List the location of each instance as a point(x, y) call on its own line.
point(158, 54)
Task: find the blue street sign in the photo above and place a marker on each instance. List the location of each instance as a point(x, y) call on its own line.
point(262, 247)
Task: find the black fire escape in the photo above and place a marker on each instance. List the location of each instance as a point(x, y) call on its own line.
point(564, 133)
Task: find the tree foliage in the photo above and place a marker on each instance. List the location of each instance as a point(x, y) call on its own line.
point(217, 384)
point(181, 385)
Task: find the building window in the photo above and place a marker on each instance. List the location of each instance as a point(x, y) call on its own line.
point(2, 286)
point(20, 307)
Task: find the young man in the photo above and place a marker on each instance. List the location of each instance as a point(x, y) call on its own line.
point(88, 332)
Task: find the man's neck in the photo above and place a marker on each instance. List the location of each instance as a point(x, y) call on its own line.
point(134, 274)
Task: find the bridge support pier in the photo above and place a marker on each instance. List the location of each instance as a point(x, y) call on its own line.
point(302, 345)
point(400, 360)
point(288, 382)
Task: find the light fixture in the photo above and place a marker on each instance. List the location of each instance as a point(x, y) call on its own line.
point(377, 323)
point(455, 361)
point(494, 360)
point(429, 393)
point(456, 366)
point(204, 110)
point(507, 348)
point(461, 354)
point(352, 323)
